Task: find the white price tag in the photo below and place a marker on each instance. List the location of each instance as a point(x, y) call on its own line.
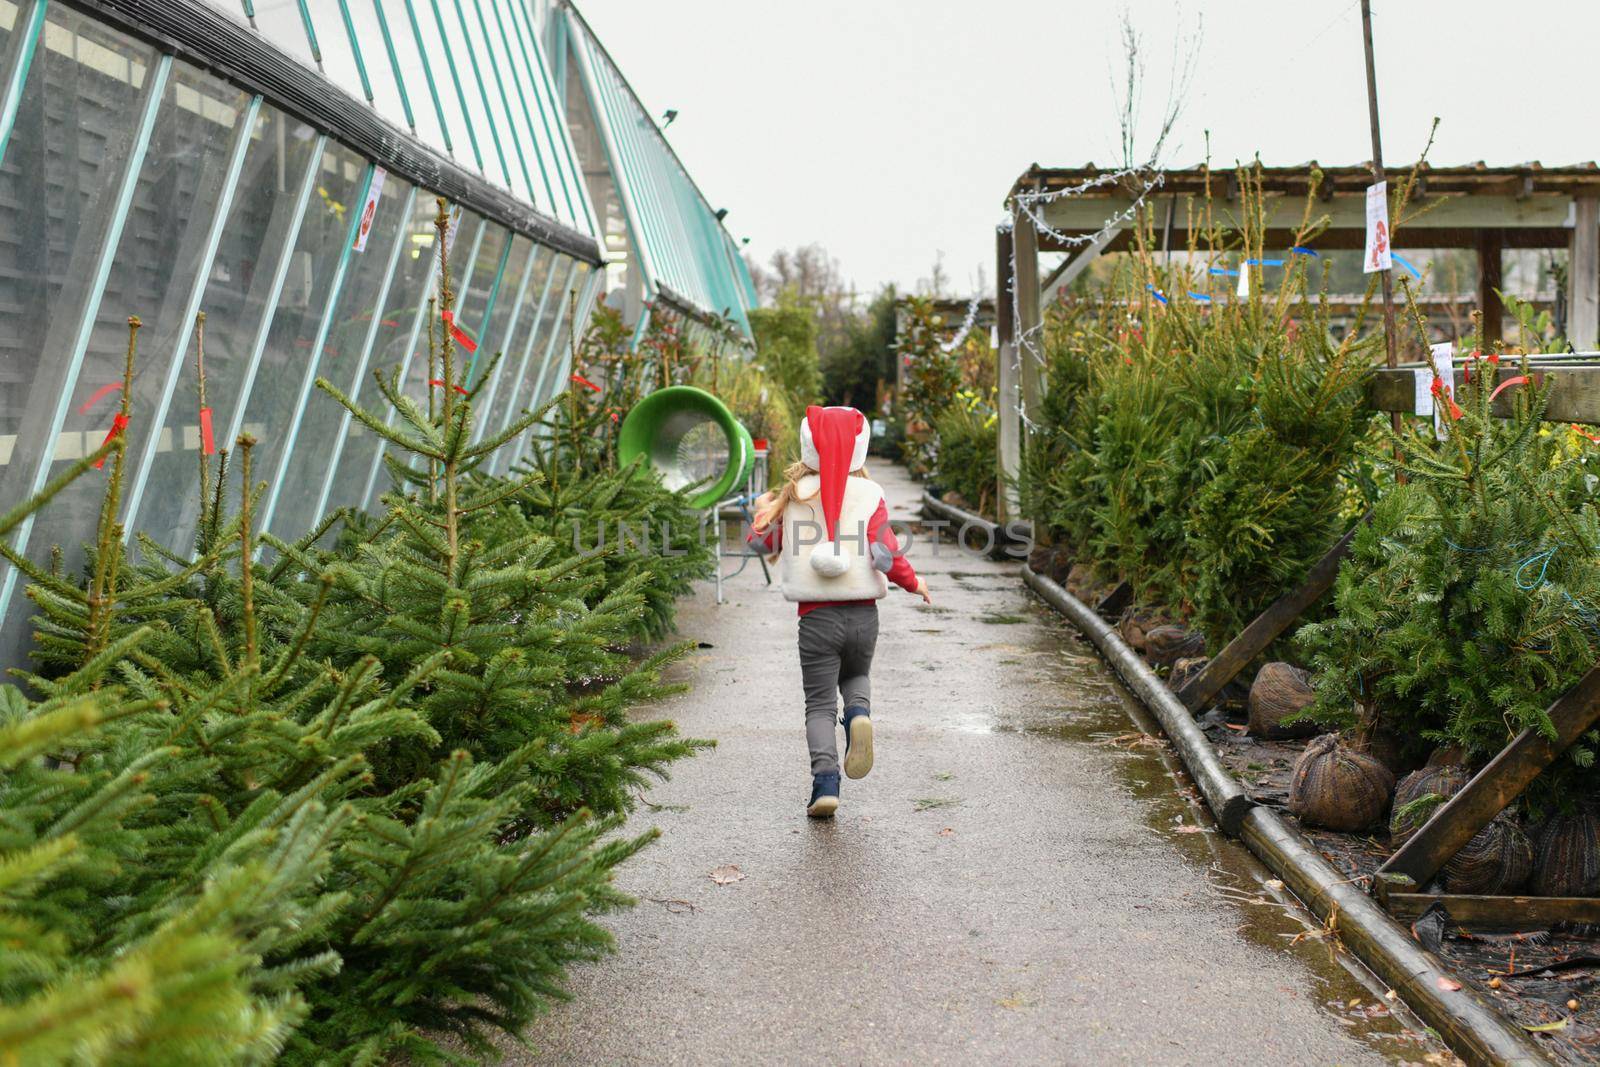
point(1422, 391)
point(1378, 256)
point(369, 210)
point(1442, 356)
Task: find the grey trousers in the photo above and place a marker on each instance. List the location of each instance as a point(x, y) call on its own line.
point(836, 646)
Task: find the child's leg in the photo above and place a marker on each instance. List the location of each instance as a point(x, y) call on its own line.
point(855, 664)
point(822, 634)
point(855, 656)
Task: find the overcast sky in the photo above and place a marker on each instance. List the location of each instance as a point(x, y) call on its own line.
point(889, 131)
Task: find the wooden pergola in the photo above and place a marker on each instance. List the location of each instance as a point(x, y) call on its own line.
point(1479, 207)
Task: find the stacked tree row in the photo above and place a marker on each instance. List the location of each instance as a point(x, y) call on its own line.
point(1208, 452)
point(334, 799)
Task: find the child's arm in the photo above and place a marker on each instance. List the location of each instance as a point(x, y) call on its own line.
point(900, 572)
point(765, 539)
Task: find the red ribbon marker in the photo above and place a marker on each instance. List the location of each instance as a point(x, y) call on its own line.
point(1444, 394)
point(118, 424)
point(440, 382)
point(207, 443)
point(1585, 433)
point(463, 338)
point(1521, 379)
point(586, 383)
point(99, 394)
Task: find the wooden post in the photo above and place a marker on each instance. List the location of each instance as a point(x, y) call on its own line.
point(1266, 627)
point(1389, 339)
point(1500, 782)
point(1490, 243)
point(1030, 340)
point(1008, 381)
point(1583, 276)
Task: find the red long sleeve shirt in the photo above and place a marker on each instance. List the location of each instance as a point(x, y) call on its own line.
point(901, 573)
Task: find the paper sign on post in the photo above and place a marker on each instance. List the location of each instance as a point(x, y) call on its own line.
point(370, 209)
point(1442, 356)
point(1422, 391)
point(1378, 256)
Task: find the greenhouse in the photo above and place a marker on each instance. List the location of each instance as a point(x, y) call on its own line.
point(141, 136)
point(565, 532)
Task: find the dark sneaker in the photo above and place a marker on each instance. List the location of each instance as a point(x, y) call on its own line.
point(857, 742)
point(824, 795)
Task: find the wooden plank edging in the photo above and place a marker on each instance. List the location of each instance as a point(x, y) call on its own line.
point(1500, 782)
point(1467, 1022)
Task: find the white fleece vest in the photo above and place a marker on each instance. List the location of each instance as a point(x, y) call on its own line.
point(804, 527)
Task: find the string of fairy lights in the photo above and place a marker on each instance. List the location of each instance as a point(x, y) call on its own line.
point(966, 325)
point(1146, 179)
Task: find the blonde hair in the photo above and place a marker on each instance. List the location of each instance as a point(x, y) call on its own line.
point(791, 492)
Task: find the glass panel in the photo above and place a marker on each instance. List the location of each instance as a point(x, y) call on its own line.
point(413, 68)
point(357, 315)
point(369, 33)
point(77, 121)
point(541, 327)
point(260, 225)
point(476, 293)
point(421, 371)
point(279, 22)
point(10, 13)
point(395, 339)
point(339, 58)
point(469, 100)
point(518, 346)
point(488, 60)
point(554, 379)
point(289, 355)
point(492, 339)
point(160, 255)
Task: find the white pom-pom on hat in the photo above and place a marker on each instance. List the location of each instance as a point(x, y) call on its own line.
point(828, 560)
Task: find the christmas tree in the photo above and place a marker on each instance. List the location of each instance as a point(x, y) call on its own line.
point(329, 804)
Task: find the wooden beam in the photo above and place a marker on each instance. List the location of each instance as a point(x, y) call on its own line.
point(1498, 784)
point(1075, 265)
point(1574, 383)
point(1347, 211)
point(1490, 278)
point(1266, 627)
point(1008, 381)
point(1583, 275)
point(1496, 913)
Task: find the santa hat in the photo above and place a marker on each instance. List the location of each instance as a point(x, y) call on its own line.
point(833, 442)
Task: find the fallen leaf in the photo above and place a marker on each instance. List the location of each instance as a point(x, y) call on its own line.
point(1448, 984)
point(1273, 883)
point(1189, 830)
point(1547, 1028)
point(676, 907)
point(729, 873)
point(1391, 995)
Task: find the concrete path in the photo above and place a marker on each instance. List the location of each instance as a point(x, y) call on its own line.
point(1019, 880)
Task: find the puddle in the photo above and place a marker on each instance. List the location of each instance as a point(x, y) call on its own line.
point(1104, 714)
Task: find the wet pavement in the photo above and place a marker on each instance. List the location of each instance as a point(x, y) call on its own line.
point(1025, 877)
